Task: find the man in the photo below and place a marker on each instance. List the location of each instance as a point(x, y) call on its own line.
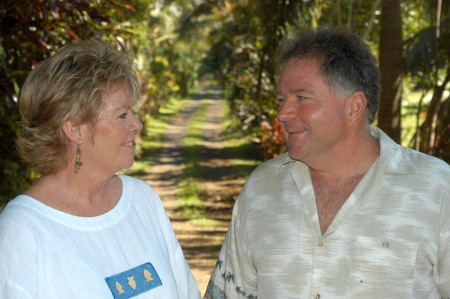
point(347, 213)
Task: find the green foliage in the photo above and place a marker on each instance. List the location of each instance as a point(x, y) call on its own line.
point(425, 54)
point(14, 176)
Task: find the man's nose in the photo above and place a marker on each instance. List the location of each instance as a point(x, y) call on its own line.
point(286, 110)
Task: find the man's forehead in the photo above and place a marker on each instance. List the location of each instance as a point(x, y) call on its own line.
point(295, 90)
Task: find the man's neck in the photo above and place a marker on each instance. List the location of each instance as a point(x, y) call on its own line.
point(353, 158)
point(335, 180)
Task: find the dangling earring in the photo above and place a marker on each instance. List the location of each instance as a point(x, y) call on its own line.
point(78, 163)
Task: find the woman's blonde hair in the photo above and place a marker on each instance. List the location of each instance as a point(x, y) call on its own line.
point(69, 85)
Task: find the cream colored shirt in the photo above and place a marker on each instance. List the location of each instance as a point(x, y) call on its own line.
point(390, 239)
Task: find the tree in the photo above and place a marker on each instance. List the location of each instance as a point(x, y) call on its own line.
point(429, 131)
point(428, 67)
point(391, 69)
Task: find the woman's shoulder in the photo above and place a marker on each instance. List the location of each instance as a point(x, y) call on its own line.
point(19, 220)
point(139, 189)
point(19, 209)
point(133, 181)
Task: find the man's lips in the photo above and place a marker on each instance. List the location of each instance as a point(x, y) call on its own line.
point(129, 143)
point(296, 131)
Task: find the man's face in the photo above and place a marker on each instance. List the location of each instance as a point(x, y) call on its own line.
point(311, 116)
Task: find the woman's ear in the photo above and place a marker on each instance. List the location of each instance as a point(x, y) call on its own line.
point(356, 107)
point(73, 130)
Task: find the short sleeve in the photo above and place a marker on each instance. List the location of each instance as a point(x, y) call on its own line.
point(12, 291)
point(234, 275)
point(18, 262)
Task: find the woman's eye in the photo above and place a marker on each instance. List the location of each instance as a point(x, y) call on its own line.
point(123, 115)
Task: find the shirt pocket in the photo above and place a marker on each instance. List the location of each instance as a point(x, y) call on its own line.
point(381, 268)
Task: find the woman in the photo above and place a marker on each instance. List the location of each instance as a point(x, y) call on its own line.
point(81, 230)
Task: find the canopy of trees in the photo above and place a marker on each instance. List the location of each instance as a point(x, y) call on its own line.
point(176, 42)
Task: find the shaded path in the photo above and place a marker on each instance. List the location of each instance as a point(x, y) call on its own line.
point(200, 245)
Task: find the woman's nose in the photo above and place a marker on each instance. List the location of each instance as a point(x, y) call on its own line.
point(137, 125)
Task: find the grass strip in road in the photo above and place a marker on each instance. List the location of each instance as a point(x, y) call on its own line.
point(190, 195)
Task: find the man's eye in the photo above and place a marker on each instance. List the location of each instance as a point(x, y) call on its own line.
point(123, 115)
point(301, 98)
point(280, 101)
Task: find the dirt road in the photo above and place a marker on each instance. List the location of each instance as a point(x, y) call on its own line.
point(200, 244)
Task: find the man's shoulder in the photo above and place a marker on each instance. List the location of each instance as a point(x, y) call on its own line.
point(269, 174)
point(276, 162)
point(400, 159)
point(424, 162)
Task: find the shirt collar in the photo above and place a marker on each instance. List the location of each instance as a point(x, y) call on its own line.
point(286, 159)
point(393, 157)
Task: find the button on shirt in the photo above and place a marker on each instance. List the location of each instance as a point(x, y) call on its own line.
point(390, 239)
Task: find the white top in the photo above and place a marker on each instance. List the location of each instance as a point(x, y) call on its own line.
point(390, 239)
point(130, 251)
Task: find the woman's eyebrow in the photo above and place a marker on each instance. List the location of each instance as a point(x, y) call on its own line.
point(125, 107)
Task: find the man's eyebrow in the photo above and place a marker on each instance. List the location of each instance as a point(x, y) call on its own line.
point(298, 90)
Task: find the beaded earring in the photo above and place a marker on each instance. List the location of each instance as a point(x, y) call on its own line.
point(78, 163)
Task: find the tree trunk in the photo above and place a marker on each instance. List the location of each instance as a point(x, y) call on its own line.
point(391, 69)
point(428, 136)
point(429, 132)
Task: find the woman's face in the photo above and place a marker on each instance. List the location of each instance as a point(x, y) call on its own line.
point(112, 147)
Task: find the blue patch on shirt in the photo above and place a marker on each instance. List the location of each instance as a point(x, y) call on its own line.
point(133, 282)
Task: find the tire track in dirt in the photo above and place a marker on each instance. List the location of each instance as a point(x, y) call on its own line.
point(200, 244)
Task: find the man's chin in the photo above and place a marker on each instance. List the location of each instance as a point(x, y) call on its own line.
point(293, 156)
point(296, 156)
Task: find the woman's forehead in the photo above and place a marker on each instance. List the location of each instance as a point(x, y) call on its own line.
point(116, 100)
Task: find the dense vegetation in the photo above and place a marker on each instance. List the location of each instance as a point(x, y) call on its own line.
point(175, 42)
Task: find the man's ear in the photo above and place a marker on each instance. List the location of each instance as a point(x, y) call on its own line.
point(73, 130)
point(356, 107)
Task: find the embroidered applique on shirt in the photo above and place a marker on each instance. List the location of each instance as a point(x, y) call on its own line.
point(134, 281)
